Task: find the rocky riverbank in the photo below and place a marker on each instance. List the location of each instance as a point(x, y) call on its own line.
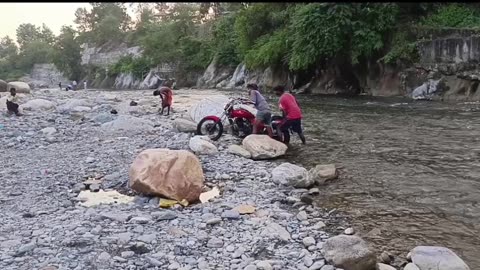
point(65, 138)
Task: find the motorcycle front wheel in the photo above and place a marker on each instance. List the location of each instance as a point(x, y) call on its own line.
point(213, 129)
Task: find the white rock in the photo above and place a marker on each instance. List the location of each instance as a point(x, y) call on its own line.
point(184, 125)
point(322, 173)
point(382, 266)
point(411, 266)
point(20, 87)
point(81, 109)
point(126, 122)
point(264, 265)
point(239, 151)
point(71, 104)
point(291, 175)
point(308, 241)
point(276, 231)
point(349, 252)
point(263, 147)
point(38, 104)
point(209, 106)
point(317, 265)
point(349, 231)
point(48, 130)
point(200, 145)
point(438, 258)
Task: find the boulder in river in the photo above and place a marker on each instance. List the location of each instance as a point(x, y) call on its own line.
point(349, 252)
point(184, 125)
point(292, 175)
point(201, 145)
point(437, 258)
point(70, 105)
point(174, 174)
point(37, 104)
point(21, 87)
point(322, 173)
point(263, 147)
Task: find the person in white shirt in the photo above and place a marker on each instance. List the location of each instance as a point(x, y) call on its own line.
point(12, 105)
point(85, 85)
point(74, 83)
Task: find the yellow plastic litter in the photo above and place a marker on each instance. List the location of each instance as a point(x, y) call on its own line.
point(166, 203)
point(184, 203)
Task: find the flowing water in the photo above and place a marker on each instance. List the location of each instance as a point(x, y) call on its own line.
point(410, 170)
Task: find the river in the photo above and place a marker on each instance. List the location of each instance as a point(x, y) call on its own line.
point(410, 169)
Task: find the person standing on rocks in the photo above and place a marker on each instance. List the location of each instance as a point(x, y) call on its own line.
point(60, 85)
point(292, 115)
point(85, 85)
point(12, 105)
point(74, 84)
point(264, 115)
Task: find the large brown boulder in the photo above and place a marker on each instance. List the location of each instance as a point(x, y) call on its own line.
point(3, 86)
point(174, 174)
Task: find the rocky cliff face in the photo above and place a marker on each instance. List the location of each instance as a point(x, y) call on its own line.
point(107, 54)
point(448, 60)
point(45, 76)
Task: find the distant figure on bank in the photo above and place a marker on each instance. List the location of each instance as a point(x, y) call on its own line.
point(74, 84)
point(166, 95)
point(292, 115)
point(264, 116)
point(85, 85)
point(12, 105)
point(60, 85)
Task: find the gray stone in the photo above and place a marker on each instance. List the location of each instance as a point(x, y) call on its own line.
point(164, 215)
point(264, 265)
point(291, 175)
point(438, 258)
point(328, 267)
point(213, 221)
point(349, 231)
point(127, 254)
point(317, 265)
point(302, 215)
point(215, 243)
point(349, 252)
point(104, 257)
point(147, 238)
point(250, 267)
point(120, 217)
point(26, 248)
point(276, 231)
point(141, 220)
point(382, 266)
point(411, 266)
point(231, 214)
point(308, 241)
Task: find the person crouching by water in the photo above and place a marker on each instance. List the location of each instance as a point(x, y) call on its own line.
point(264, 115)
point(12, 105)
point(292, 115)
point(166, 95)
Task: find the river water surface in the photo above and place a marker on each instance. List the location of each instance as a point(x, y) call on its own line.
point(410, 170)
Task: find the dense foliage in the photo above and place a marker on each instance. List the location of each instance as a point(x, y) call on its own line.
point(187, 36)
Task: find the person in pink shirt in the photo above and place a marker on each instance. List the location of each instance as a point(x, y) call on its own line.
point(292, 115)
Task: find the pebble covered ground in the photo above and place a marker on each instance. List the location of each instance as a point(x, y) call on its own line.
point(47, 154)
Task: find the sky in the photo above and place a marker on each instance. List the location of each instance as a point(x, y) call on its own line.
point(54, 15)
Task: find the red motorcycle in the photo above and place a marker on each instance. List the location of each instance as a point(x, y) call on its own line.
point(240, 119)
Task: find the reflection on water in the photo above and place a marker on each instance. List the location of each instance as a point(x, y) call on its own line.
point(410, 170)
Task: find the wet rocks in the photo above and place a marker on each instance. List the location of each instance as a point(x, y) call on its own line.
point(438, 258)
point(175, 174)
point(263, 147)
point(322, 173)
point(349, 253)
point(291, 175)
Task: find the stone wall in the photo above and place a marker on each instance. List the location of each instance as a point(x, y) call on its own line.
point(45, 76)
point(107, 54)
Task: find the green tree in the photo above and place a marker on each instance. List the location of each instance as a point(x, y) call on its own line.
point(67, 56)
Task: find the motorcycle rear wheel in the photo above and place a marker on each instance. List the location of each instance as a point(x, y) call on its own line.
point(213, 129)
